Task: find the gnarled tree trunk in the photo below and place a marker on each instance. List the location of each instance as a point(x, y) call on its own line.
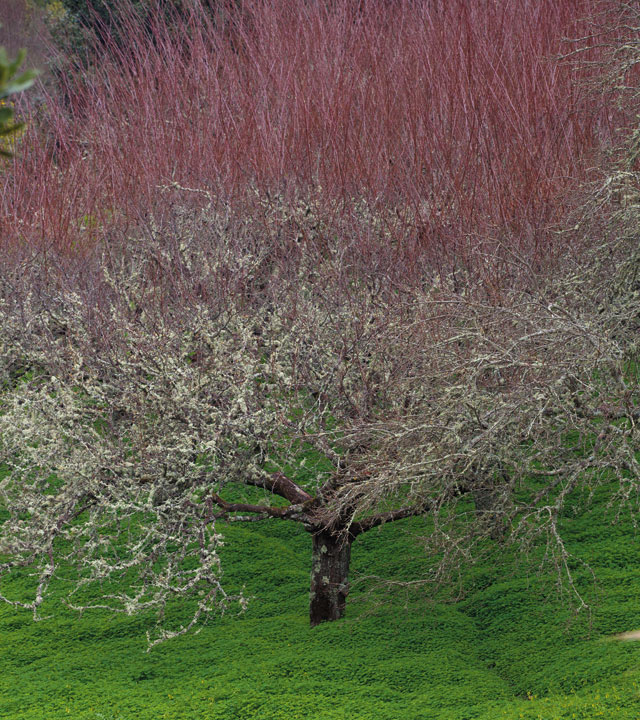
point(329, 576)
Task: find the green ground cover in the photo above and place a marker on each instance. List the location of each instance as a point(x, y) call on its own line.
point(506, 649)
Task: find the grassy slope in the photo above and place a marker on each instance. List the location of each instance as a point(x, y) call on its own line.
point(502, 651)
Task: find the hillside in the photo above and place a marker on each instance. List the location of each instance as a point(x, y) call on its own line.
point(507, 649)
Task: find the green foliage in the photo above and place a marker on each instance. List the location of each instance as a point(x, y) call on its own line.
point(11, 83)
point(75, 22)
point(506, 650)
point(79, 28)
point(93, 12)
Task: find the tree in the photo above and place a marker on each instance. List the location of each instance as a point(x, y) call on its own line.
point(11, 83)
point(222, 369)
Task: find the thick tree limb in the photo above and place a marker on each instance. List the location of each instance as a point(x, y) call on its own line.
point(279, 484)
point(291, 512)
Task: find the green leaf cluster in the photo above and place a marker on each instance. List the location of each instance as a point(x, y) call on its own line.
point(11, 83)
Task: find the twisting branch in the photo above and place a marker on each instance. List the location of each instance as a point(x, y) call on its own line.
point(279, 484)
point(291, 512)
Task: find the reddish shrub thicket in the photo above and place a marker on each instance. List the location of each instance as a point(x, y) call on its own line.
point(455, 120)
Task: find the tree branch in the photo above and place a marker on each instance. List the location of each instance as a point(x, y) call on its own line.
point(357, 528)
point(279, 484)
point(292, 512)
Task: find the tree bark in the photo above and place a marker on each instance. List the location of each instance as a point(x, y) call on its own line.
point(329, 576)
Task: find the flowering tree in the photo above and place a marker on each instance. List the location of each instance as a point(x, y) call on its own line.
point(219, 368)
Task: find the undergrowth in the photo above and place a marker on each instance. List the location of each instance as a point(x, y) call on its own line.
point(508, 648)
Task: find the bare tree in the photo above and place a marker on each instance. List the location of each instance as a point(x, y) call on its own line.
point(217, 369)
